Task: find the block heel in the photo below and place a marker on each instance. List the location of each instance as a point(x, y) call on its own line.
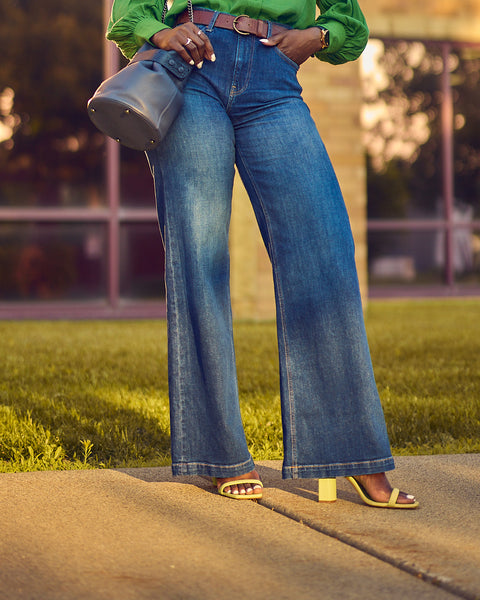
point(327, 490)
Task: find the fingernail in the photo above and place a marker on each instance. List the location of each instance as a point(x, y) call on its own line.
point(200, 65)
point(213, 58)
point(191, 63)
point(263, 40)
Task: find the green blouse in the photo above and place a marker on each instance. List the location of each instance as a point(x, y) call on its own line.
point(132, 22)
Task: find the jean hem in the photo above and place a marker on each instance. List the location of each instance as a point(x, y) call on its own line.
point(212, 470)
point(367, 467)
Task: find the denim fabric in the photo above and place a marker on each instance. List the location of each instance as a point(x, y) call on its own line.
point(246, 109)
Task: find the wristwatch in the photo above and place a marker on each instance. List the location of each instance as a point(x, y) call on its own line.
point(324, 38)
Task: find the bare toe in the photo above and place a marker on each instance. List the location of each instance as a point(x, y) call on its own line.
point(379, 489)
point(239, 489)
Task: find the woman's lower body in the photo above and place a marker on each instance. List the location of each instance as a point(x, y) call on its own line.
point(246, 110)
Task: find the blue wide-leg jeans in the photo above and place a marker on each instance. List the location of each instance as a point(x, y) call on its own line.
point(246, 109)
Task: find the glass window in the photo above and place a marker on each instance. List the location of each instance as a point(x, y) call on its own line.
point(421, 122)
point(136, 185)
point(141, 262)
point(465, 82)
point(466, 257)
point(51, 262)
point(406, 258)
point(50, 153)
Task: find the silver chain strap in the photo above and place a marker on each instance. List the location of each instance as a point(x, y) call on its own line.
point(165, 8)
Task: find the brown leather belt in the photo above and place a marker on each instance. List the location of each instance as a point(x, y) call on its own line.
point(242, 24)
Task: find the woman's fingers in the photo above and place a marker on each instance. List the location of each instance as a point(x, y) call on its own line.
point(195, 47)
point(208, 51)
point(297, 44)
point(197, 44)
point(188, 41)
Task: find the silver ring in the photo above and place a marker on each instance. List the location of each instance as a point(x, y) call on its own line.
point(199, 32)
point(189, 41)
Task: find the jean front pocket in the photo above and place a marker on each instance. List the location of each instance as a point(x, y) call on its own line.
point(288, 60)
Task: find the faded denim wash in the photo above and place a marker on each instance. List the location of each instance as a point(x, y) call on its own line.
point(246, 109)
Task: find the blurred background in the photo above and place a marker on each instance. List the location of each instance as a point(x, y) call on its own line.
point(78, 230)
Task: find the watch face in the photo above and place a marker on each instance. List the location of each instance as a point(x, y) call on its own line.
point(325, 37)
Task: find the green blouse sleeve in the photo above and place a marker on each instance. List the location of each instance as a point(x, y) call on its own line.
point(347, 29)
point(134, 21)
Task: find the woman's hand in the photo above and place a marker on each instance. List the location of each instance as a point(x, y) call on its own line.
point(188, 40)
point(297, 44)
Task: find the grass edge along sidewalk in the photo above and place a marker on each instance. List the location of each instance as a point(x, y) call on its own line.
point(89, 394)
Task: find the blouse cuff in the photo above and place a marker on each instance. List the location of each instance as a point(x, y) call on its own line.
point(336, 35)
point(145, 28)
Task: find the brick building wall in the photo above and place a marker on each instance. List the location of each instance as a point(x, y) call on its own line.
point(429, 19)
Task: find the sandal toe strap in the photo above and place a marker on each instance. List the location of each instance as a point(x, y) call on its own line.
point(253, 482)
point(393, 497)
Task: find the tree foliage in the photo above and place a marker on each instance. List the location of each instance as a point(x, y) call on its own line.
point(404, 96)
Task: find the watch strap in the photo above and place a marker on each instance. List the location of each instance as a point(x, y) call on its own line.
point(324, 37)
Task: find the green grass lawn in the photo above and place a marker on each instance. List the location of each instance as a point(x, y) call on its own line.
point(91, 394)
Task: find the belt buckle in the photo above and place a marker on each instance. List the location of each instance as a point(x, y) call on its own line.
point(234, 25)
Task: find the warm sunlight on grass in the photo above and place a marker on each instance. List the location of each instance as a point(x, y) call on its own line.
point(90, 394)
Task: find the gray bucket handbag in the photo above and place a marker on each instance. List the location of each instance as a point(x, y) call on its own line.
point(137, 105)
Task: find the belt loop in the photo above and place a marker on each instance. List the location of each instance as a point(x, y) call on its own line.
point(269, 29)
point(213, 20)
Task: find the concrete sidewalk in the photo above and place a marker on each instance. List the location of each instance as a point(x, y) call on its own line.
point(139, 534)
